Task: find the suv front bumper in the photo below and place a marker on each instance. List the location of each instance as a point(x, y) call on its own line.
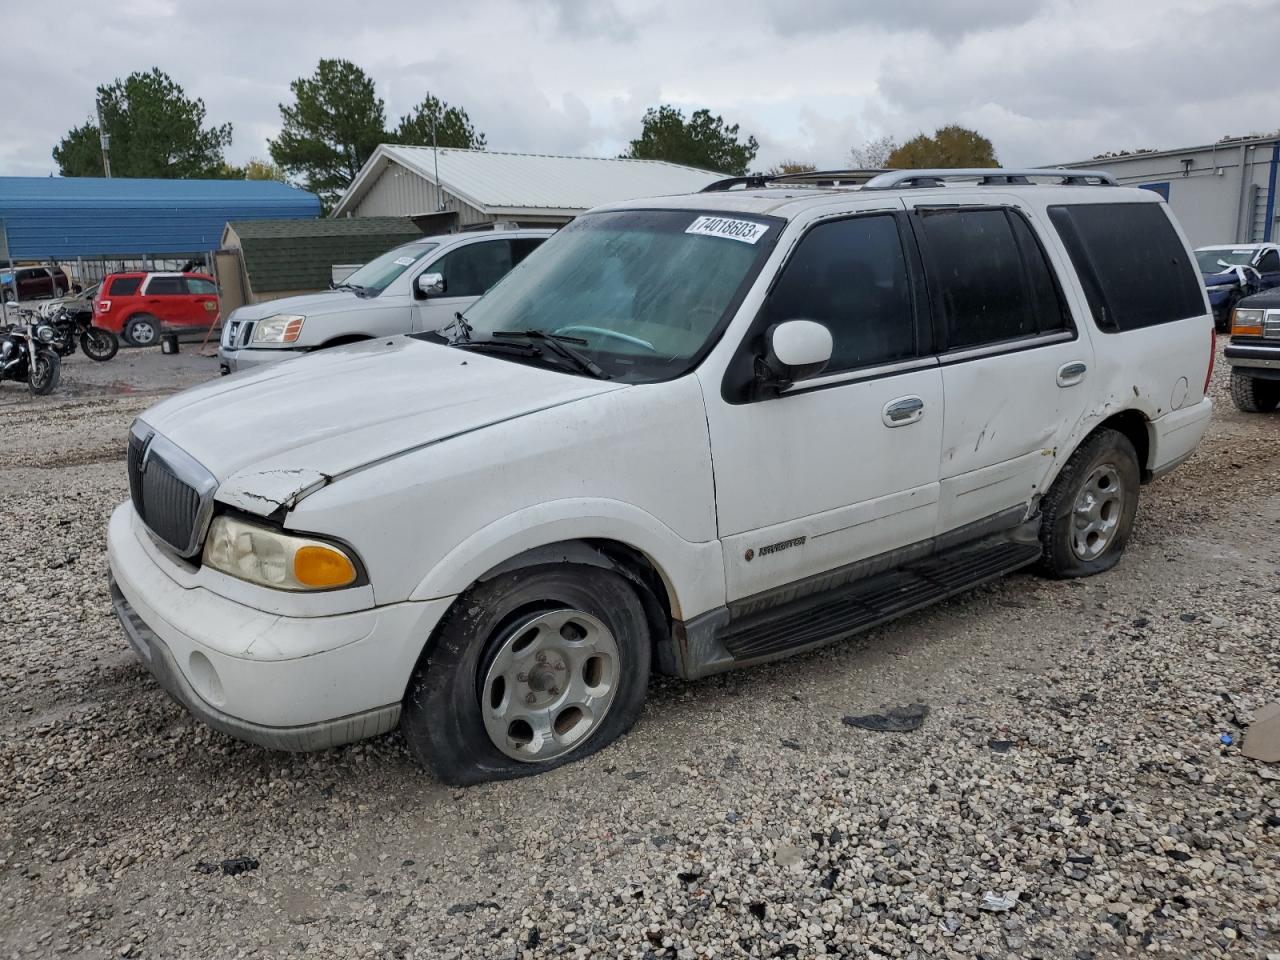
point(344, 679)
point(231, 360)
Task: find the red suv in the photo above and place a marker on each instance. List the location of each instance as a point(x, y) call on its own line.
point(139, 305)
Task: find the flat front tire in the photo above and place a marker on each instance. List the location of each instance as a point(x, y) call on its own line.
point(528, 671)
point(1088, 514)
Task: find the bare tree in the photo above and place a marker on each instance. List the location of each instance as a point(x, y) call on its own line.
point(790, 166)
point(873, 155)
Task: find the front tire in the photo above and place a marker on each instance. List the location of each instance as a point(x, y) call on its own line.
point(529, 671)
point(1253, 394)
point(99, 344)
point(142, 331)
point(43, 377)
point(1088, 514)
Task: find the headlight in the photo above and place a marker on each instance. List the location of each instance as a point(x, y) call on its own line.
point(265, 556)
point(45, 334)
point(1246, 323)
point(282, 328)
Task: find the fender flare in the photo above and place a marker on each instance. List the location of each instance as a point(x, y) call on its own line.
point(692, 573)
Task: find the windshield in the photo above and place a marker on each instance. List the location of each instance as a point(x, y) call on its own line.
point(1208, 259)
point(643, 293)
point(378, 274)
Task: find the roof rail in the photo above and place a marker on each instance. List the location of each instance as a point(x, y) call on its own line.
point(815, 178)
point(989, 176)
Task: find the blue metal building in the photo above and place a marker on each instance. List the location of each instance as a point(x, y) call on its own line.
point(66, 218)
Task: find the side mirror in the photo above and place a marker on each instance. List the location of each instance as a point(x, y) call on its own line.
point(795, 350)
point(431, 284)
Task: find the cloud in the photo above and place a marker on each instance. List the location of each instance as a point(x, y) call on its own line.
point(1045, 80)
point(945, 20)
point(589, 19)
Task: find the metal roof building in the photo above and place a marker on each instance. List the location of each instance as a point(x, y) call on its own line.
point(479, 186)
point(64, 218)
point(1222, 192)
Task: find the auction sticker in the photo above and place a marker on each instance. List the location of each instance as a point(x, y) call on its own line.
point(743, 230)
point(405, 261)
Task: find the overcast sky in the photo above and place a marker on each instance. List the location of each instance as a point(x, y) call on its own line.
point(1045, 80)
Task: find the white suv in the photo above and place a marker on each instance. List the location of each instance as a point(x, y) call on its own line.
point(417, 286)
point(686, 434)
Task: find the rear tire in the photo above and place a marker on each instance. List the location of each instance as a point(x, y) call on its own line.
point(1253, 394)
point(142, 331)
point(1088, 514)
point(479, 706)
point(43, 377)
point(99, 344)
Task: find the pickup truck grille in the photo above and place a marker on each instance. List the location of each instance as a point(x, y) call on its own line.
point(1271, 325)
point(171, 492)
point(237, 333)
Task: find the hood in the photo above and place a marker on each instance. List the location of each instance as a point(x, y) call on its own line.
point(307, 305)
point(272, 436)
point(1267, 300)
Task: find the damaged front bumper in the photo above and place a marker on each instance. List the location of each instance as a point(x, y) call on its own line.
point(284, 682)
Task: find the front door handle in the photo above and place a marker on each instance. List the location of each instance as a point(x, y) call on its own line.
point(900, 412)
point(1069, 374)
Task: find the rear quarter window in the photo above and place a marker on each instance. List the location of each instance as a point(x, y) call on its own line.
point(125, 286)
point(1133, 267)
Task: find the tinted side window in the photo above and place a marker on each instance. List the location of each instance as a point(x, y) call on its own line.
point(975, 267)
point(1050, 309)
point(203, 287)
point(1134, 269)
point(522, 247)
point(166, 287)
point(471, 270)
point(125, 286)
point(1270, 262)
point(850, 276)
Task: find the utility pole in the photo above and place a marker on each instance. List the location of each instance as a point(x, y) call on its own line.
point(104, 138)
point(435, 155)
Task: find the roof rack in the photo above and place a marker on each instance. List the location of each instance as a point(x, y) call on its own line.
point(989, 176)
point(812, 178)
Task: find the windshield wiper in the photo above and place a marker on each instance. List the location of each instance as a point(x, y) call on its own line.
point(359, 290)
point(559, 344)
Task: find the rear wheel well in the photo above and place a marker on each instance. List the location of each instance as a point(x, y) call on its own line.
point(1133, 425)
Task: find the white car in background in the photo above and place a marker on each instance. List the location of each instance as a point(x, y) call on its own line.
point(415, 287)
point(691, 433)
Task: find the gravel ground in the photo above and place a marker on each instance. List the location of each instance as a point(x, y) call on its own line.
point(1071, 765)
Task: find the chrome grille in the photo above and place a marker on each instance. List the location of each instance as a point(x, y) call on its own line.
point(1271, 324)
point(171, 491)
point(237, 333)
point(137, 447)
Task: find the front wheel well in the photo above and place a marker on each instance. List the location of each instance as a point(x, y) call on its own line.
point(343, 340)
point(630, 563)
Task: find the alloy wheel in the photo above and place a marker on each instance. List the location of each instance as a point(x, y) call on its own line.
point(1097, 512)
point(549, 685)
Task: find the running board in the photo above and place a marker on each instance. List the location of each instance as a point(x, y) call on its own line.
point(868, 602)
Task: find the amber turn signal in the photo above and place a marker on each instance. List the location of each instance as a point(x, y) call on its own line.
point(317, 566)
point(1246, 323)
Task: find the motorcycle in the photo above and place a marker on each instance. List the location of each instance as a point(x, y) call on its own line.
point(27, 353)
point(72, 325)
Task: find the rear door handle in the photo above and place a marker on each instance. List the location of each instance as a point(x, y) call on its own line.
point(1069, 374)
point(900, 412)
